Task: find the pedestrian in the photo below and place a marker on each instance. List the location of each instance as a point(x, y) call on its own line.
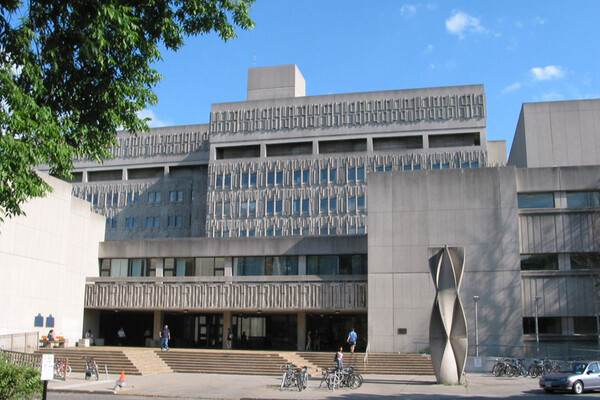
point(308, 341)
point(316, 341)
point(165, 336)
point(352, 340)
point(121, 336)
point(339, 357)
point(229, 338)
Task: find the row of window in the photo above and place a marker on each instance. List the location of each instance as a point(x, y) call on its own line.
point(247, 208)
point(326, 175)
point(172, 221)
point(242, 266)
point(111, 199)
point(326, 230)
point(549, 261)
point(554, 325)
point(546, 199)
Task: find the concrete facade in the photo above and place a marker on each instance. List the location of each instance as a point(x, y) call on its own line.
point(46, 257)
point(328, 207)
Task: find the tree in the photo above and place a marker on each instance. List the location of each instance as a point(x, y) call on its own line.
point(73, 72)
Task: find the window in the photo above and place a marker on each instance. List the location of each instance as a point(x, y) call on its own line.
point(179, 267)
point(583, 199)
point(296, 206)
point(252, 233)
point(154, 197)
point(296, 232)
point(332, 175)
point(176, 196)
point(279, 178)
point(252, 208)
point(530, 262)
point(416, 167)
point(174, 221)
point(244, 179)
point(253, 179)
point(278, 232)
point(446, 166)
point(228, 180)
point(244, 209)
point(324, 203)
point(536, 200)
point(95, 199)
point(351, 264)
point(258, 266)
point(360, 174)
point(133, 197)
point(305, 176)
point(305, 206)
point(219, 210)
point(351, 174)
point(464, 165)
point(324, 175)
point(131, 222)
point(270, 207)
point(219, 181)
point(152, 222)
point(360, 202)
point(209, 266)
point(585, 260)
point(271, 178)
point(352, 204)
point(297, 177)
point(546, 325)
point(585, 325)
point(333, 204)
point(324, 231)
point(278, 206)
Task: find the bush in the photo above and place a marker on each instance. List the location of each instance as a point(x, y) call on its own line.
point(19, 382)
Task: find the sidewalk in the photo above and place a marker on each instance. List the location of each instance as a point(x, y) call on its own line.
point(211, 386)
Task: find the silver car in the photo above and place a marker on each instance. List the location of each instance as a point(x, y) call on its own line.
point(576, 377)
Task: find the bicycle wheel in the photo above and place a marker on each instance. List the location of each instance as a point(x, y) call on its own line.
point(68, 370)
point(59, 370)
point(358, 380)
point(305, 379)
point(497, 369)
point(300, 381)
point(94, 371)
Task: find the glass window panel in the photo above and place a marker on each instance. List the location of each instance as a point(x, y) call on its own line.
point(219, 181)
point(305, 176)
point(333, 175)
point(360, 203)
point(324, 176)
point(585, 325)
point(324, 203)
point(360, 173)
point(536, 200)
point(351, 174)
point(138, 267)
point(583, 199)
point(271, 178)
point(253, 179)
point(296, 206)
point(118, 267)
point(227, 180)
point(333, 204)
point(297, 177)
point(305, 205)
point(226, 209)
point(244, 179)
point(251, 266)
point(279, 178)
point(270, 206)
point(252, 208)
point(585, 260)
point(352, 204)
point(244, 210)
point(531, 262)
point(278, 206)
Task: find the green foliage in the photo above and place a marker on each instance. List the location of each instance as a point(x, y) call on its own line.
point(19, 382)
point(72, 72)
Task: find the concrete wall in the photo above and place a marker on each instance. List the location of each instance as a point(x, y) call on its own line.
point(45, 257)
point(410, 212)
point(562, 133)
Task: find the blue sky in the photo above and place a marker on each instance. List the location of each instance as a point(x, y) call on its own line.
point(522, 51)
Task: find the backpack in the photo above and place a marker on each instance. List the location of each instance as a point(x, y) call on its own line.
point(335, 357)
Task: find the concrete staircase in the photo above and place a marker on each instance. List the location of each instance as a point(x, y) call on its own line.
point(114, 359)
point(147, 361)
point(377, 363)
point(223, 362)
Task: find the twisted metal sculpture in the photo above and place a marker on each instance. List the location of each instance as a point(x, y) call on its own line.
point(448, 325)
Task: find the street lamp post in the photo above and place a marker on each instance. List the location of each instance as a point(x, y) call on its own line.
point(475, 299)
point(537, 331)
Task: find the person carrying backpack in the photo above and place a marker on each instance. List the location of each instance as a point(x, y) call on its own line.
point(339, 356)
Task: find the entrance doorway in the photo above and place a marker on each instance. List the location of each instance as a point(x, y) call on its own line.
point(330, 331)
point(264, 331)
point(191, 330)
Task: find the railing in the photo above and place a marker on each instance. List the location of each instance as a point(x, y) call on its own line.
point(23, 342)
point(366, 357)
point(24, 359)
point(232, 292)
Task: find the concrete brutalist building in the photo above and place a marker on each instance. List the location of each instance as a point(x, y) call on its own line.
point(289, 213)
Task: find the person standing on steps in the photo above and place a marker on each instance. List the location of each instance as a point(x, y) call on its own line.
point(352, 336)
point(121, 336)
point(339, 357)
point(229, 338)
point(308, 341)
point(165, 336)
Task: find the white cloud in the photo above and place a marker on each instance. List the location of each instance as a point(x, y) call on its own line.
point(408, 10)
point(460, 23)
point(429, 49)
point(550, 96)
point(546, 73)
point(512, 88)
point(154, 122)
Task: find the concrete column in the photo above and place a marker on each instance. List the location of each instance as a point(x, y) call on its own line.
point(157, 326)
point(226, 326)
point(301, 265)
point(263, 150)
point(84, 176)
point(124, 175)
point(228, 266)
point(301, 330)
point(315, 146)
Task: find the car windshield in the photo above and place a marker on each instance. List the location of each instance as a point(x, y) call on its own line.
point(575, 368)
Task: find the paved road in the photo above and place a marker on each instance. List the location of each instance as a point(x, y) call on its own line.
point(380, 387)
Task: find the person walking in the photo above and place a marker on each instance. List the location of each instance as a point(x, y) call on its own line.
point(308, 341)
point(229, 338)
point(165, 336)
point(339, 357)
point(121, 336)
point(352, 336)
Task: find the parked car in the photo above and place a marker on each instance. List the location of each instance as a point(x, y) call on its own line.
point(576, 377)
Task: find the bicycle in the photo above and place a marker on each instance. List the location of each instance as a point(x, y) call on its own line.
point(294, 376)
point(91, 368)
point(62, 369)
